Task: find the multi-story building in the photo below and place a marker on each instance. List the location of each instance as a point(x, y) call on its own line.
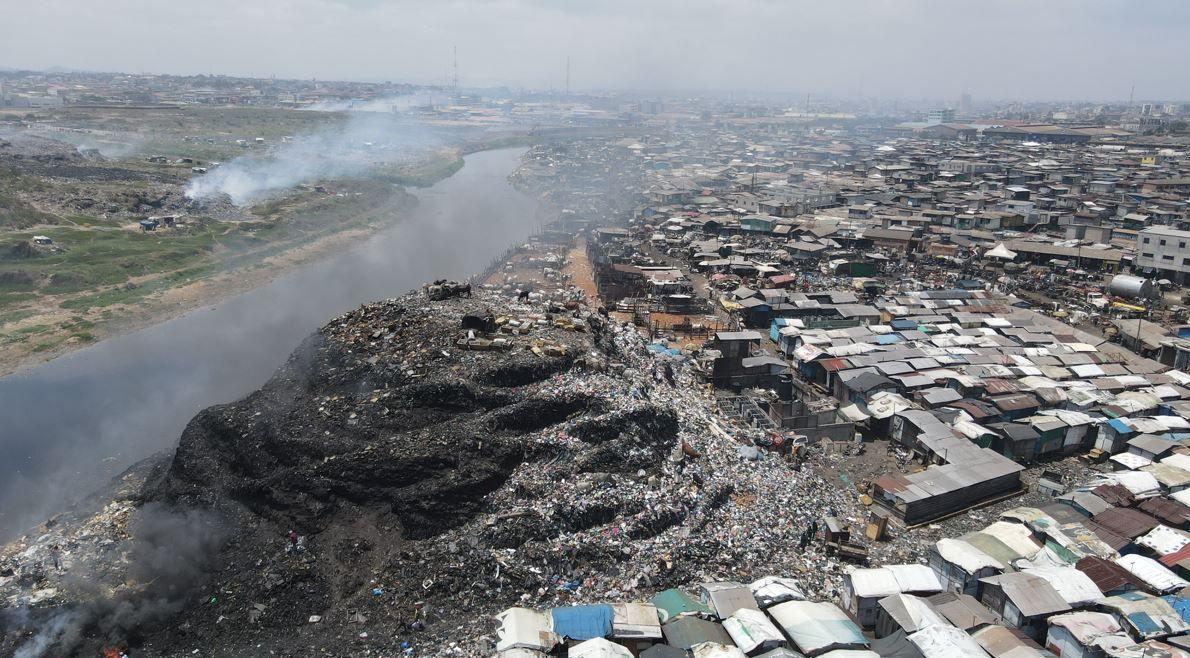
point(1165, 252)
point(942, 115)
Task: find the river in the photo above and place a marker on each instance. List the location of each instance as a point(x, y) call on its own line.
point(68, 425)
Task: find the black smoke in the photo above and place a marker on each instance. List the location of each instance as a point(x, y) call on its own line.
point(169, 554)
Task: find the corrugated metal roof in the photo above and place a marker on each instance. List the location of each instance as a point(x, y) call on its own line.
point(834, 365)
point(686, 632)
point(963, 610)
point(1107, 576)
point(1126, 522)
point(1032, 595)
point(1168, 511)
point(1002, 642)
point(910, 612)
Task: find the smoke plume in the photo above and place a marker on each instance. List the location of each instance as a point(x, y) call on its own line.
point(365, 141)
point(169, 554)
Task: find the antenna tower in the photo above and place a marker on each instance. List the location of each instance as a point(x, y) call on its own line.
point(454, 82)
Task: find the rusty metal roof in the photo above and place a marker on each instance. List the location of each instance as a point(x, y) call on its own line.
point(1126, 522)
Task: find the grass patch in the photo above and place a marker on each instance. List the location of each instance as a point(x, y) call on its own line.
point(111, 297)
point(17, 215)
point(16, 316)
point(91, 259)
point(422, 174)
point(34, 329)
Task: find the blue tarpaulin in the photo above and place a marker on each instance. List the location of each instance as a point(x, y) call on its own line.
point(583, 622)
point(658, 348)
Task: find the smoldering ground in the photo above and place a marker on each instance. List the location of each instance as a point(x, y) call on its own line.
point(168, 555)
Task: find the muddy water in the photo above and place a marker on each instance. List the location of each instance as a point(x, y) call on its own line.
point(70, 424)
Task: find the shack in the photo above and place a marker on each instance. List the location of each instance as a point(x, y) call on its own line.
point(959, 565)
point(1023, 600)
point(863, 588)
point(752, 631)
point(817, 627)
point(963, 611)
point(726, 597)
point(906, 613)
point(942, 490)
point(1085, 634)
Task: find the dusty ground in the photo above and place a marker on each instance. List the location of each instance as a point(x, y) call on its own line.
point(578, 267)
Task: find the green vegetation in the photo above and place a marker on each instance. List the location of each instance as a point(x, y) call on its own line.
point(16, 214)
point(423, 174)
point(89, 259)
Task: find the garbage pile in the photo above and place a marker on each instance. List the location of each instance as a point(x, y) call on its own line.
point(388, 491)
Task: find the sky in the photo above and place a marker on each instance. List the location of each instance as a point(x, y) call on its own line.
point(993, 49)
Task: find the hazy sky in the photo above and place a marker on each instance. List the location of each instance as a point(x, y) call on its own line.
point(1046, 49)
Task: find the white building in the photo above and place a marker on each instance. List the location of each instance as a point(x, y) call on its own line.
point(1164, 252)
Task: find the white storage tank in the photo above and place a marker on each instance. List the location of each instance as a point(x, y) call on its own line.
point(1131, 287)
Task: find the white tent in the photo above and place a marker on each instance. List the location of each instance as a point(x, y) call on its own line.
point(1001, 252)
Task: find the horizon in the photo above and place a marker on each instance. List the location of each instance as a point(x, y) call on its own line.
point(1020, 51)
point(793, 96)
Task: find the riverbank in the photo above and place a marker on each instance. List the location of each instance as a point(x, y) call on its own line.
point(52, 325)
point(74, 422)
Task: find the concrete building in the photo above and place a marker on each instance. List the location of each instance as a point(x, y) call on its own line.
point(941, 115)
point(1164, 253)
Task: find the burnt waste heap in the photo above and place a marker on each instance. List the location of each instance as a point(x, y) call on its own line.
point(417, 465)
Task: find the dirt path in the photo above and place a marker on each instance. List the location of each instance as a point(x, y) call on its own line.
point(579, 268)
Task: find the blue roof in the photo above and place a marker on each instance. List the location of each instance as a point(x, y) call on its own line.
point(583, 622)
point(1143, 623)
point(902, 325)
point(1119, 426)
point(888, 339)
point(1179, 603)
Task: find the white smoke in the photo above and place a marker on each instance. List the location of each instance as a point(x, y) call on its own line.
point(56, 629)
point(366, 141)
